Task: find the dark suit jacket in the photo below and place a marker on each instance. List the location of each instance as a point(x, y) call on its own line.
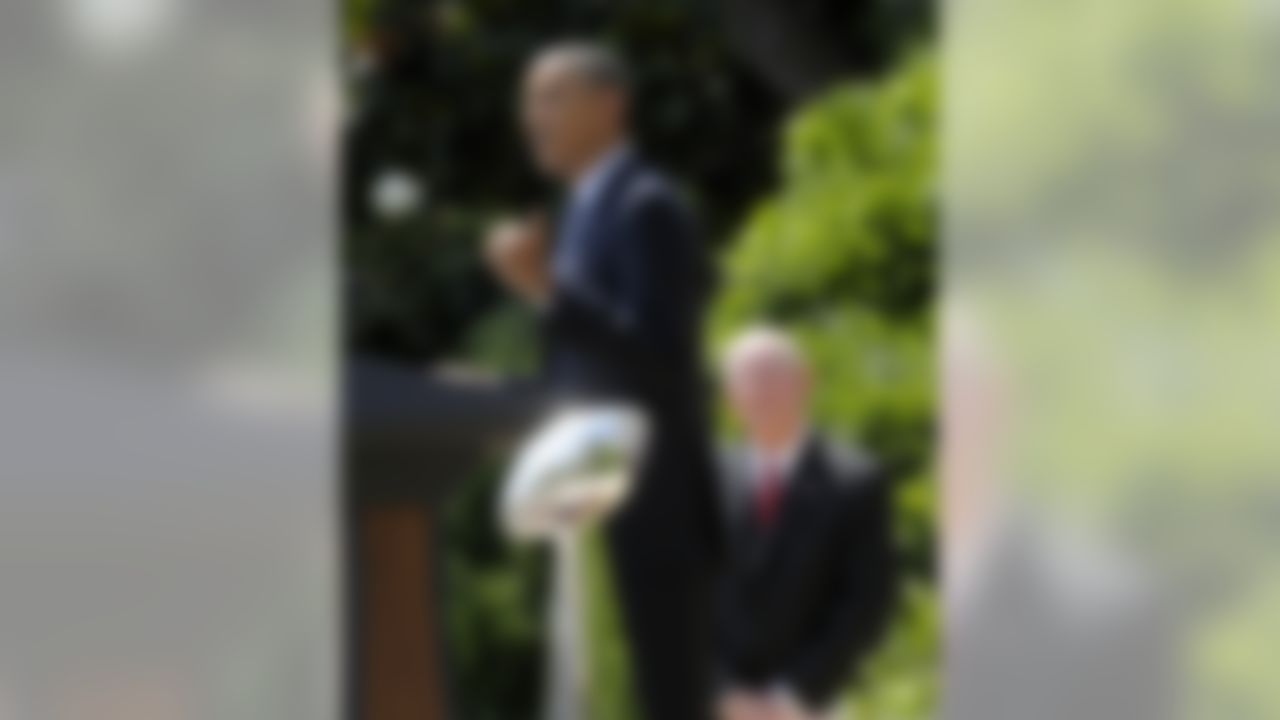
point(625, 324)
point(628, 326)
point(804, 601)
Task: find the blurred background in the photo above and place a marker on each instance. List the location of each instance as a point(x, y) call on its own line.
point(1111, 227)
point(803, 132)
point(166, 384)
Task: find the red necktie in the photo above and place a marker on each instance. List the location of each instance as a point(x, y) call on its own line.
point(768, 495)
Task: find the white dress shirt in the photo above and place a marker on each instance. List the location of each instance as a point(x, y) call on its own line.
point(776, 463)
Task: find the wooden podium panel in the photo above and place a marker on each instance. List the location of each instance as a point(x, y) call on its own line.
point(399, 670)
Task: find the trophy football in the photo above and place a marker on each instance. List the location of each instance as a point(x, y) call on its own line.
point(572, 472)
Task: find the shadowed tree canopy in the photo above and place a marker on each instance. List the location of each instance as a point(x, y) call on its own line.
point(432, 91)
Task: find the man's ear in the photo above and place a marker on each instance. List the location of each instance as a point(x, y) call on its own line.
point(624, 108)
point(619, 107)
point(804, 381)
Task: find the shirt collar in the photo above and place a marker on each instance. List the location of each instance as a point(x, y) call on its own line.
point(588, 187)
point(784, 461)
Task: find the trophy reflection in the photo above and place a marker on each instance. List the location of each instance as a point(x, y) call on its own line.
point(574, 471)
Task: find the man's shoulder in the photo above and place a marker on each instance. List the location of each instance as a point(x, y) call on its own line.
point(848, 466)
point(844, 464)
point(647, 186)
point(732, 457)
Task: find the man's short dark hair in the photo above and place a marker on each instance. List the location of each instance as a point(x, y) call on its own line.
point(597, 64)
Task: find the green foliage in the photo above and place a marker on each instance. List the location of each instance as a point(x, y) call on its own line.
point(900, 682)
point(494, 606)
point(410, 282)
point(854, 220)
point(611, 693)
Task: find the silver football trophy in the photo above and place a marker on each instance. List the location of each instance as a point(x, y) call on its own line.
point(573, 471)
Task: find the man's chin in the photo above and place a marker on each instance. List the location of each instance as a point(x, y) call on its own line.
point(551, 166)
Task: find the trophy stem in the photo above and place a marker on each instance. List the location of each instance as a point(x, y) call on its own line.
point(567, 671)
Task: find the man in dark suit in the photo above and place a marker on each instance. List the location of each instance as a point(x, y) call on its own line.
point(619, 288)
point(809, 581)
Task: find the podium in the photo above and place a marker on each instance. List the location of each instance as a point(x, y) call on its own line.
point(410, 437)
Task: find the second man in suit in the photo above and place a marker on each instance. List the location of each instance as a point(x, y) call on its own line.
point(807, 591)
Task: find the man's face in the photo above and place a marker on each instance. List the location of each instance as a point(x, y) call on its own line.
point(769, 394)
point(566, 119)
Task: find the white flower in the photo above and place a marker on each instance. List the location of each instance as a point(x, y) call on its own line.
point(396, 193)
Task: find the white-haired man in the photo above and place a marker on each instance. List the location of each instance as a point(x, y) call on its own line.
point(808, 585)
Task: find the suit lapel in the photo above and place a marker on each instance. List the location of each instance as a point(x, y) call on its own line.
point(738, 485)
point(605, 206)
point(796, 509)
point(585, 228)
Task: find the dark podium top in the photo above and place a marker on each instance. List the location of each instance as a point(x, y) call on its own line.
point(410, 434)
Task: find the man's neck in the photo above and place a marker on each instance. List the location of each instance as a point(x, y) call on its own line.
point(782, 446)
point(593, 161)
